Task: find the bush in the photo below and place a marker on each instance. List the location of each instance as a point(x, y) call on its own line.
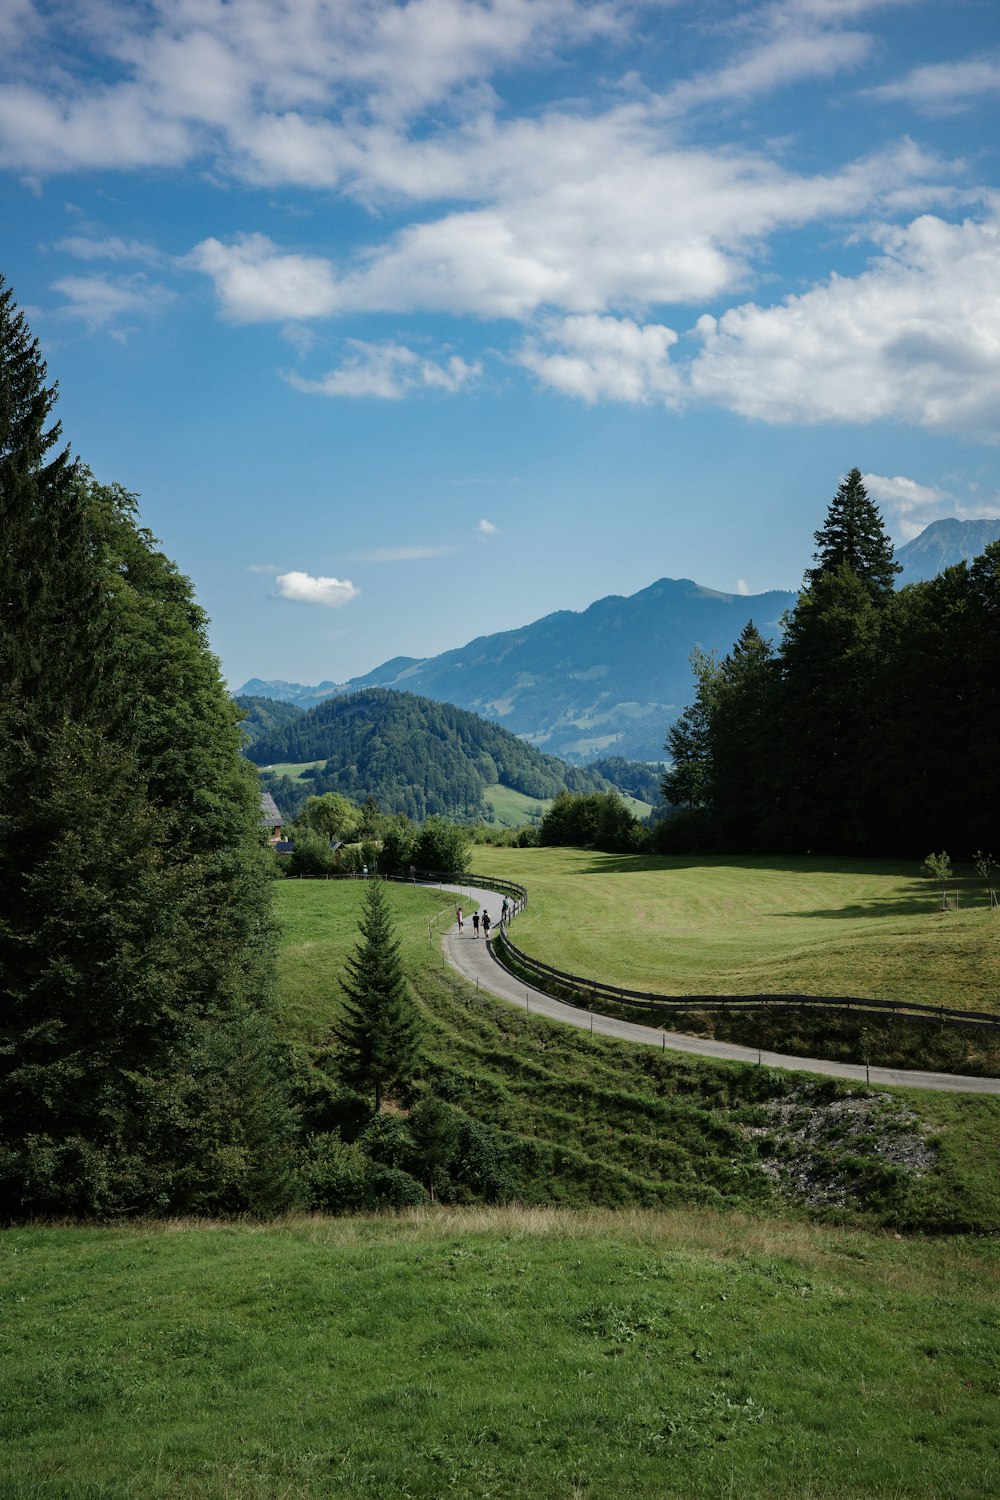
point(441, 845)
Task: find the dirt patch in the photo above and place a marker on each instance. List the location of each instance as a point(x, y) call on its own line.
point(839, 1152)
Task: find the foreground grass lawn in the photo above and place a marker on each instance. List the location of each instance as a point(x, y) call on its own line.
point(497, 1353)
point(716, 925)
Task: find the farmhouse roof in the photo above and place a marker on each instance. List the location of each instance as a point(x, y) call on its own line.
point(270, 817)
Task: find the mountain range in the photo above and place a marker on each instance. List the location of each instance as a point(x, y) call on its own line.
point(609, 679)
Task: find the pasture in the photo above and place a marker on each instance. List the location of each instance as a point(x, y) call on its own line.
point(585, 1120)
point(716, 925)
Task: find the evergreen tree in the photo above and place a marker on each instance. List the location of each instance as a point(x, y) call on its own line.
point(831, 716)
point(688, 782)
point(138, 1066)
point(853, 534)
point(379, 1032)
point(746, 796)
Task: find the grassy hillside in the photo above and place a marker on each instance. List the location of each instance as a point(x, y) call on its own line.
point(719, 925)
point(503, 1353)
point(578, 1119)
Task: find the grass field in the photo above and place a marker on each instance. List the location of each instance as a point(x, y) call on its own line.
point(584, 1120)
point(796, 925)
point(293, 769)
point(721, 1346)
point(514, 809)
point(491, 1354)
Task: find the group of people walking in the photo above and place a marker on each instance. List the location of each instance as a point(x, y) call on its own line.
point(482, 919)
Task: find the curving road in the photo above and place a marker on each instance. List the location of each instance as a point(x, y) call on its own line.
point(473, 957)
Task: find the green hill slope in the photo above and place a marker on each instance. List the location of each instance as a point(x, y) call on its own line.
point(412, 755)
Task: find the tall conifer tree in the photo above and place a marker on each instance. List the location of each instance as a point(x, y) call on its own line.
point(138, 1070)
point(853, 534)
point(379, 1032)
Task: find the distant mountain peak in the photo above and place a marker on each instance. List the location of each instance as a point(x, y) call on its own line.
point(944, 543)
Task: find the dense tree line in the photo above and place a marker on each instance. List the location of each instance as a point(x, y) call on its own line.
point(263, 716)
point(637, 778)
point(412, 754)
point(138, 1066)
point(872, 728)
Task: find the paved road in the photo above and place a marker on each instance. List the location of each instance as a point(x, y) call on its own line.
point(473, 957)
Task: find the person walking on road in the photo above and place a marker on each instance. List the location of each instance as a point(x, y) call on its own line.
point(504, 910)
point(458, 917)
point(486, 924)
point(475, 923)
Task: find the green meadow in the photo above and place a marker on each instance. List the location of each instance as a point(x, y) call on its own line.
point(583, 1120)
point(294, 769)
point(716, 1280)
point(497, 1353)
point(719, 925)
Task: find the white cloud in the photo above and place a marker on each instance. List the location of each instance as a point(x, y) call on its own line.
point(487, 528)
point(100, 302)
point(263, 568)
point(388, 371)
point(302, 587)
point(742, 587)
point(915, 338)
point(84, 247)
point(915, 505)
point(196, 77)
point(586, 216)
point(776, 63)
point(606, 359)
point(944, 88)
point(255, 282)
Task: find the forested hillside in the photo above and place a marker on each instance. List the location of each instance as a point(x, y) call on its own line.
point(411, 754)
point(872, 729)
point(265, 716)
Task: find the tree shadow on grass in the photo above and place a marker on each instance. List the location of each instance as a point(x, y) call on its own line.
point(787, 864)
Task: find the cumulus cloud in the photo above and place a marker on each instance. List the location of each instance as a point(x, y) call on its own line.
point(586, 216)
point(388, 371)
point(256, 282)
point(201, 78)
point(944, 88)
point(915, 338)
point(487, 528)
point(302, 587)
point(605, 359)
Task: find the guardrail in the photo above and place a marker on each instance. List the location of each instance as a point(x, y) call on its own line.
point(585, 992)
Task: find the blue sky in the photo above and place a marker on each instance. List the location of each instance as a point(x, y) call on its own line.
point(412, 322)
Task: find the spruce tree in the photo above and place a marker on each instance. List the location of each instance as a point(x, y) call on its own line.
point(853, 534)
point(379, 1032)
point(745, 794)
point(138, 1066)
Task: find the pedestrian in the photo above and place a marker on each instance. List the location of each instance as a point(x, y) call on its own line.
point(458, 915)
point(486, 924)
point(475, 923)
point(505, 910)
